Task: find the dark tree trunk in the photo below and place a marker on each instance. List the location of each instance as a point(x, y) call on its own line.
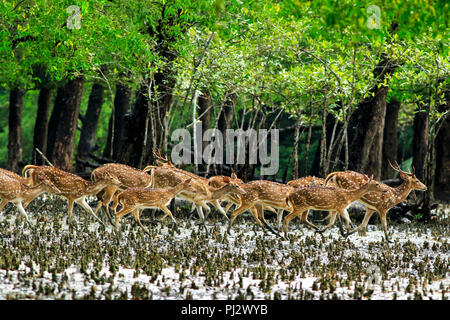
point(122, 105)
point(442, 178)
point(150, 129)
point(135, 131)
point(366, 127)
point(41, 125)
point(204, 112)
point(63, 124)
point(390, 143)
point(420, 143)
point(227, 113)
point(224, 122)
point(15, 129)
point(90, 122)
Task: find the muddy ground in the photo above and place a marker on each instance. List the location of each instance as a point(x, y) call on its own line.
point(85, 260)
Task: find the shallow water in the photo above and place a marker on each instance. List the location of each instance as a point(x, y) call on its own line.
point(84, 260)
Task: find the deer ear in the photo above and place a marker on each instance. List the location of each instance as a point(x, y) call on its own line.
point(234, 176)
point(402, 175)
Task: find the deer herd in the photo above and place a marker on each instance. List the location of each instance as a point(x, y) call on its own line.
point(154, 187)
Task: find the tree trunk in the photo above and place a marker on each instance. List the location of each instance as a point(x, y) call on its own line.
point(366, 127)
point(227, 113)
point(15, 129)
point(63, 124)
point(122, 105)
point(204, 113)
point(442, 178)
point(90, 122)
point(390, 143)
point(224, 122)
point(420, 143)
point(135, 144)
point(41, 125)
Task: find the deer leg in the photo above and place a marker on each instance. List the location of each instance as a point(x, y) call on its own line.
point(3, 203)
point(86, 207)
point(260, 212)
point(200, 213)
point(332, 216)
point(70, 209)
point(125, 210)
point(279, 218)
point(384, 224)
point(168, 213)
point(304, 220)
point(237, 212)
point(22, 211)
point(228, 206)
point(364, 223)
point(136, 216)
point(288, 219)
point(217, 205)
point(106, 200)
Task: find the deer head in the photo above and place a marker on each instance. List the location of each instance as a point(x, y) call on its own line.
point(409, 177)
point(233, 185)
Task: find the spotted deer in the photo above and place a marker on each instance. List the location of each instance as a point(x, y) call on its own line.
point(13, 189)
point(135, 199)
point(166, 177)
point(128, 177)
point(259, 195)
point(382, 199)
point(302, 199)
point(70, 186)
point(306, 181)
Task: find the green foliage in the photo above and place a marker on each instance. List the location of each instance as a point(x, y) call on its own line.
point(294, 57)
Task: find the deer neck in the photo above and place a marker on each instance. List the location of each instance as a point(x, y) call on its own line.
point(219, 192)
point(31, 191)
point(355, 194)
point(176, 190)
point(403, 190)
point(95, 187)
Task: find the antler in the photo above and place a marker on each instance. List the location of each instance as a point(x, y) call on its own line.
point(158, 155)
point(400, 170)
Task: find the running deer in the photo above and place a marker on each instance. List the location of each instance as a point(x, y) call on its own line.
point(227, 189)
point(204, 194)
point(135, 199)
point(380, 201)
point(324, 198)
point(166, 177)
point(13, 189)
point(307, 181)
point(70, 186)
point(261, 194)
point(128, 177)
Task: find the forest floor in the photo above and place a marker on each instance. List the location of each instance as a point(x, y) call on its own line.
point(85, 260)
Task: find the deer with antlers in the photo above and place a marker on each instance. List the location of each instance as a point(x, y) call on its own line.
point(13, 188)
point(335, 200)
point(70, 186)
point(383, 199)
point(135, 199)
point(128, 177)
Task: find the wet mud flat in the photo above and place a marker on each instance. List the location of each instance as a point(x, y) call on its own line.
point(85, 260)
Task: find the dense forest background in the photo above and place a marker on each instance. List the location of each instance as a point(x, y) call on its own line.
point(350, 84)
